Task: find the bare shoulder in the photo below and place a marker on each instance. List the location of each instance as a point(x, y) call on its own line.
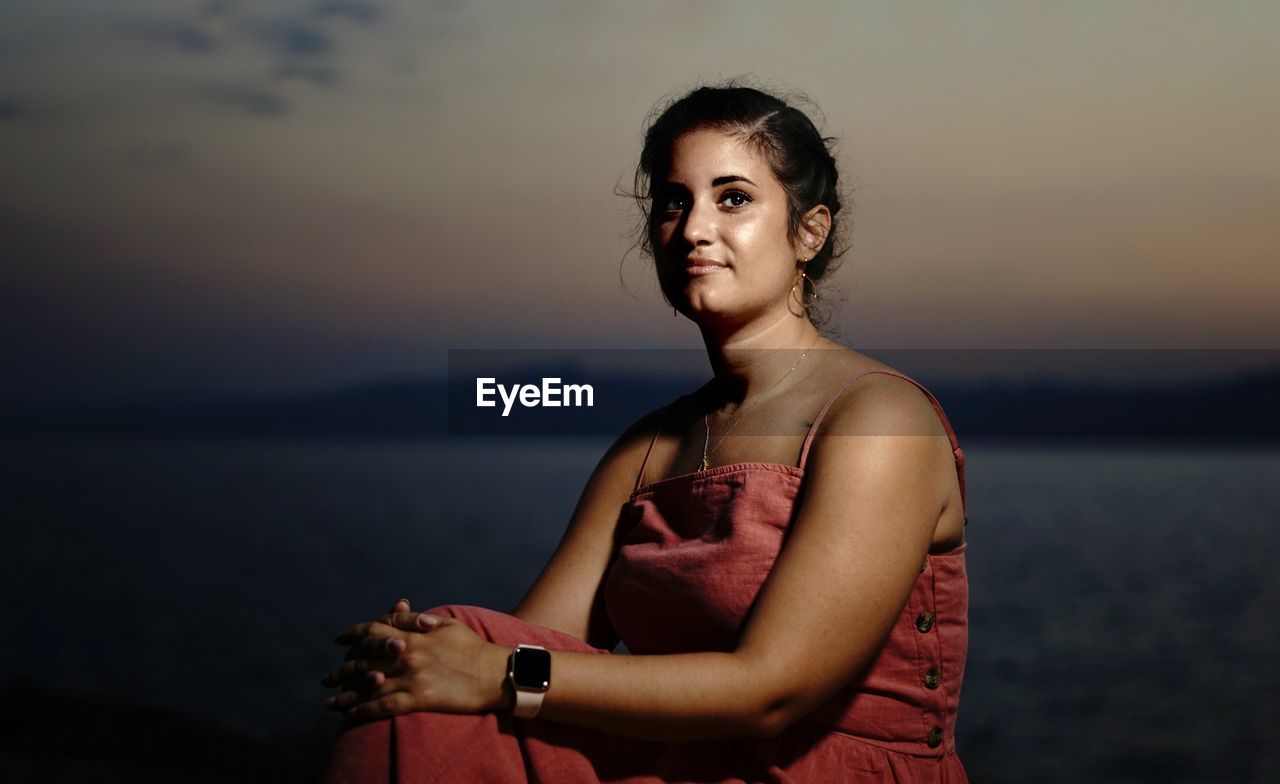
point(879, 401)
point(882, 404)
point(643, 429)
point(626, 455)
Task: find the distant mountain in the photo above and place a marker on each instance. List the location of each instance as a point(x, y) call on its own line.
point(1238, 408)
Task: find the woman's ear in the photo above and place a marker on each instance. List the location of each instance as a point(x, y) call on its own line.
point(814, 228)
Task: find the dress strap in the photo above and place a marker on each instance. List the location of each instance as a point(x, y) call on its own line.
point(666, 414)
point(946, 423)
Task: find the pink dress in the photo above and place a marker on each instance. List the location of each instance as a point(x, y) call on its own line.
point(698, 551)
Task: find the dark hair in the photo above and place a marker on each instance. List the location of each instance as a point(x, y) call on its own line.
point(798, 155)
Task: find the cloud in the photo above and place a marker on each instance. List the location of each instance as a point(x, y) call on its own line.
point(263, 103)
point(347, 9)
point(300, 43)
point(297, 38)
point(317, 72)
point(302, 50)
point(252, 100)
point(188, 37)
point(354, 10)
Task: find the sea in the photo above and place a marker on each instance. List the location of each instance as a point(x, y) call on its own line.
point(1121, 617)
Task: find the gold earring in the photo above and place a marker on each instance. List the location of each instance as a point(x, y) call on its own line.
point(804, 276)
point(803, 293)
point(791, 295)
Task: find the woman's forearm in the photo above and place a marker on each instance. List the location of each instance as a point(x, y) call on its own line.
point(677, 697)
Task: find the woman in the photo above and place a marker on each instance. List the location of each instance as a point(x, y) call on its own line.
point(795, 603)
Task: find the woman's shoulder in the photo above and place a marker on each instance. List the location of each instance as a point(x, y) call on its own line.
point(644, 428)
point(869, 396)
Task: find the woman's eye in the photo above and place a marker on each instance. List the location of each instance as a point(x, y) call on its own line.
point(671, 204)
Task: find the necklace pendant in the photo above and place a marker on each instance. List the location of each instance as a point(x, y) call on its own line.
point(703, 467)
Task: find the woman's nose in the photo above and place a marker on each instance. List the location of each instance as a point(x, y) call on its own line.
point(699, 223)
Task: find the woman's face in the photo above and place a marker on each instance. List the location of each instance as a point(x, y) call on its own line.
point(720, 231)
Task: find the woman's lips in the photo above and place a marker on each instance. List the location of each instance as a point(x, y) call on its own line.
point(705, 268)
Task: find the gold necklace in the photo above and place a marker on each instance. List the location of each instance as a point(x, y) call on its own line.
point(738, 418)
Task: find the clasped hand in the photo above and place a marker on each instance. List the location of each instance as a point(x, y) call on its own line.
point(407, 661)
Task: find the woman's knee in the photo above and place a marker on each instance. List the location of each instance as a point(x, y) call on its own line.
point(493, 625)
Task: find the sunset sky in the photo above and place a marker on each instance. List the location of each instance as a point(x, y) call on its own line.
point(256, 197)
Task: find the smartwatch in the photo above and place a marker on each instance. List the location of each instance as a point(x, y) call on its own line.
point(529, 670)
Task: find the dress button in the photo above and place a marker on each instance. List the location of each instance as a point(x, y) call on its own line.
point(924, 621)
point(935, 738)
point(931, 679)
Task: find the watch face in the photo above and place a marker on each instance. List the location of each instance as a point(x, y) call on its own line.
point(531, 669)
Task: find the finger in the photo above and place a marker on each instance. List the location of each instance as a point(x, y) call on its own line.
point(401, 606)
point(371, 684)
point(376, 684)
point(352, 667)
point(377, 646)
point(345, 700)
point(393, 704)
point(412, 622)
point(353, 633)
point(354, 670)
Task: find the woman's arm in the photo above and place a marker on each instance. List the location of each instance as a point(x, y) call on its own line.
point(679, 697)
point(864, 521)
point(568, 594)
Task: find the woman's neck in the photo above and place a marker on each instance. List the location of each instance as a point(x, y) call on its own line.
point(749, 363)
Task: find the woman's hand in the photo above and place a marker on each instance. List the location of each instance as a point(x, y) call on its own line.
point(409, 662)
point(365, 674)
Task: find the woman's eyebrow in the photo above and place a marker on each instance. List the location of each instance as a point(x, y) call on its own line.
point(718, 181)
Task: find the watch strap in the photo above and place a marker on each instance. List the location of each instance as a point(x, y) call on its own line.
point(528, 703)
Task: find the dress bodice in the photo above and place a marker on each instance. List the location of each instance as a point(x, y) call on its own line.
point(697, 550)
